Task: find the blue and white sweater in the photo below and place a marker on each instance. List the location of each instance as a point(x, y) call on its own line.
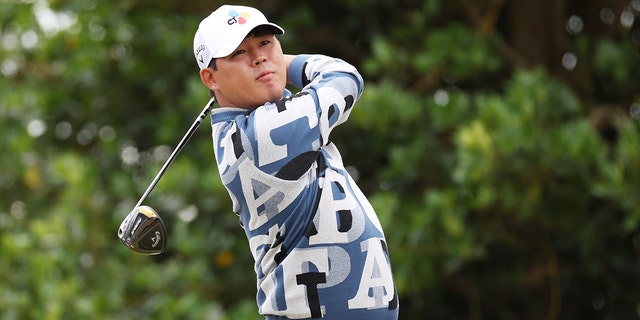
point(318, 246)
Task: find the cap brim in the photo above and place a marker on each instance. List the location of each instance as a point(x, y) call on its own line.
point(228, 47)
point(274, 27)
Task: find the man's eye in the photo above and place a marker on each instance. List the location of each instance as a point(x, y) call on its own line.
point(238, 52)
point(265, 42)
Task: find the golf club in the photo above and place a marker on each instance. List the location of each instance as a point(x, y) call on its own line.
point(142, 230)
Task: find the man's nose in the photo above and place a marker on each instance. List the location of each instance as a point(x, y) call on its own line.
point(259, 60)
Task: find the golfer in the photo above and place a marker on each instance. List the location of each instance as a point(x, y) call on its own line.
point(318, 246)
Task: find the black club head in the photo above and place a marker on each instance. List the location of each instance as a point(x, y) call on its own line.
point(143, 231)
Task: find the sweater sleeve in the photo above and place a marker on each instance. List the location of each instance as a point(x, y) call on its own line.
point(305, 68)
point(302, 122)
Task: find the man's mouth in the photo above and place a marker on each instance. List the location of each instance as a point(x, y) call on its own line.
point(264, 75)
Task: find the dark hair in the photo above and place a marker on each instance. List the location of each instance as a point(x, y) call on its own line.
point(263, 30)
point(212, 64)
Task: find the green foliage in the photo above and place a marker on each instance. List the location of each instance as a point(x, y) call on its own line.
point(520, 174)
point(621, 174)
point(617, 63)
point(505, 192)
point(453, 52)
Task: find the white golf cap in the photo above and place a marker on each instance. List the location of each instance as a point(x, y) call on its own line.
point(224, 29)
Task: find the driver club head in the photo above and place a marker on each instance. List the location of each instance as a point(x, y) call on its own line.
point(143, 231)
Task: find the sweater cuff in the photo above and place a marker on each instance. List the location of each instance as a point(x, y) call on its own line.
point(296, 70)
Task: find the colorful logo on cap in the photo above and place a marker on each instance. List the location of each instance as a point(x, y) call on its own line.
point(237, 17)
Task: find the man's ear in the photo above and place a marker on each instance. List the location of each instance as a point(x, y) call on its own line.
point(208, 79)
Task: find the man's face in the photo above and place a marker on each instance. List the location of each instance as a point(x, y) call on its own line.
point(255, 73)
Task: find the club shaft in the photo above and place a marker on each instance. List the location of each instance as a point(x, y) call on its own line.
point(177, 150)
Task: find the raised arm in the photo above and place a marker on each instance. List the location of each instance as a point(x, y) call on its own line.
point(287, 59)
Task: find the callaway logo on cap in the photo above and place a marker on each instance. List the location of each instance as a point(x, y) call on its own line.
point(224, 29)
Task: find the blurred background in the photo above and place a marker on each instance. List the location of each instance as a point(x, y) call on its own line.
point(498, 141)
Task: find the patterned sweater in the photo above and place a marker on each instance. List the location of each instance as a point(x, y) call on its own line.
point(318, 246)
